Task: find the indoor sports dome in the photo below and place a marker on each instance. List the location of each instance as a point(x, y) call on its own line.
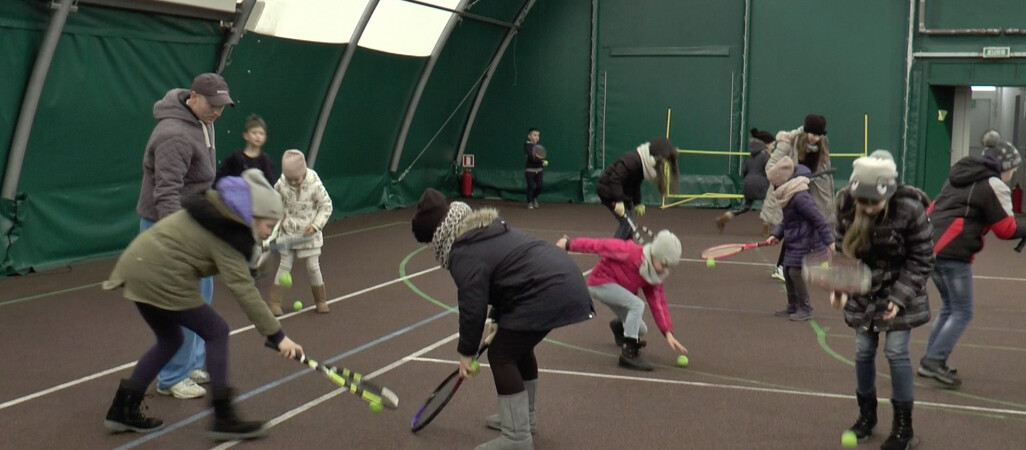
point(386, 97)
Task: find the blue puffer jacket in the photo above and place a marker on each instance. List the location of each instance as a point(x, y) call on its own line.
point(803, 229)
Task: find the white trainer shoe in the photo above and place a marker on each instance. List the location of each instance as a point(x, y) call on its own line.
point(184, 389)
point(200, 376)
point(778, 273)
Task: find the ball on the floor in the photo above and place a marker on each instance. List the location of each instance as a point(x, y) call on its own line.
point(682, 361)
point(849, 440)
point(285, 280)
point(376, 407)
point(825, 265)
point(298, 305)
point(710, 263)
point(475, 367)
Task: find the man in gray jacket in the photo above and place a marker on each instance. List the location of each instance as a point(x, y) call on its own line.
point(180, 160)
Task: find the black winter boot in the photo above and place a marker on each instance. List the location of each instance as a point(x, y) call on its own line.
point(228, 426)
point(616, 326)
point(864, 425)
point(630, 355)
point(124, 414)
point(901, 437)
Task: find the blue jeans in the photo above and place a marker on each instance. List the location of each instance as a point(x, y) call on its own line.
point(627, 307)
point(896, 351)
point(954, 280)
point(192, 354)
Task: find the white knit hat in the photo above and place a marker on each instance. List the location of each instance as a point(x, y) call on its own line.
point(875, 176)
point(266, 202)
point(666, 248)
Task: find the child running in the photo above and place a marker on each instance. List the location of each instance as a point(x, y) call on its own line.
point(884, 224)
point(624, 268)
point(215, 233)
point(803, 229)
point(307, 210)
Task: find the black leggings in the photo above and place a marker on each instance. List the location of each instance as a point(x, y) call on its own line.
point(511, 356)
point(167, 326)
point(535, 180)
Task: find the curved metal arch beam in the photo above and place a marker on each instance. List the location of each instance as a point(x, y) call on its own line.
point(488, 77)
point(411, 109)
point(30, 104)
point(336, 82)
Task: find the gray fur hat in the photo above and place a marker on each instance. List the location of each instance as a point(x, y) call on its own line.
point(666, 248)
point(875, 176)
point(1005, 154)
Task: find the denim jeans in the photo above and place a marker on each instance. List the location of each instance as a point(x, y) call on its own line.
point(192, 354)
point(896, 351)
point(627, 307)
point(954, 280)
point(624, 230)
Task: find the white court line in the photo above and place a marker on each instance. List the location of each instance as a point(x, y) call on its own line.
point(306, 406)
point(94, 376)
point(743, 388)
point(745, 263)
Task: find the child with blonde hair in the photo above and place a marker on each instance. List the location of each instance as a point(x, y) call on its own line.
point(307, 210)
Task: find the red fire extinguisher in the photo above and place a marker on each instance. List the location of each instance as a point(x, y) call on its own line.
point(1017, 199)
point(467, 183)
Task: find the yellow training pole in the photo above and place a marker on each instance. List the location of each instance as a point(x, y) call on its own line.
point(865, 134)
point(667, 123)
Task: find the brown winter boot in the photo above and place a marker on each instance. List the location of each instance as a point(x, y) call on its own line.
point(722, 220)
point(274, 300)
point(320, 296)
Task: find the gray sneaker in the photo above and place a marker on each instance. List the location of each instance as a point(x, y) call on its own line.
point(937, 371)
point(800, 315)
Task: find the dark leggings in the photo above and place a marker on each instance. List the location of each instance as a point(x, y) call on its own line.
point(511, 356)
point(780, 259)
point(797, 292)
point(535, 180)
point(167, 326)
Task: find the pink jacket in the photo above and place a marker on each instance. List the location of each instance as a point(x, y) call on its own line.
point(620, 264)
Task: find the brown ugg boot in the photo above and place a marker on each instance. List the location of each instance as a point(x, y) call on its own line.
point(274, 300)
point(320, 296)
point(723, 219)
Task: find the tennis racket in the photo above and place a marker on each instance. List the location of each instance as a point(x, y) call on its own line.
point(1022, 243)
point(725, 250)
point(277, 243)
point(836, 272)
point(351, 381)
point(444, 392)
point(641, 234)
point(538, 151)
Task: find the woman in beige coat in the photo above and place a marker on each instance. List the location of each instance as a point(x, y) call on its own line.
point(807, 145)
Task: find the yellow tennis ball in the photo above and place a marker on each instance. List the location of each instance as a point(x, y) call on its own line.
point(475, 367)
point(825, 265)
point(710, 263)
point(849, 440)
point(285, 280)
point(682, 361)
point(376, 407)
point(298, 305)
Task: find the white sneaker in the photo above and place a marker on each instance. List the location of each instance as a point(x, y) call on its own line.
point(778, 273)
point(184, 389)
point(200, 376)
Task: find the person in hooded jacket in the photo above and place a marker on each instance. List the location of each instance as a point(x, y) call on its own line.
point(884, 224)
point(974, 200)
point(619, 186)
point(216, 232)
point(755, 182)
point(532, 287)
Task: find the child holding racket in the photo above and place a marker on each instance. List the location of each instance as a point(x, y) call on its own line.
point(884, 224)
point(216, 232)
point(307, 210)
point(624, 268)
point(532, 288)
point(619, 186)
point(976, 198)
point(803, 229)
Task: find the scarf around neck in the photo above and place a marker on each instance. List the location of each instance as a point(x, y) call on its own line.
point(446, 233)
point(786, 191)
point(648, 163)
point(647, 269)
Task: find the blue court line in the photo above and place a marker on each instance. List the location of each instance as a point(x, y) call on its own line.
point(195, 417)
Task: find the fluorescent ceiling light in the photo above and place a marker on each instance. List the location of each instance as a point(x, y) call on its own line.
point(984, 88)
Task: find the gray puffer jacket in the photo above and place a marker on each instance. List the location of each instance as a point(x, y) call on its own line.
point(900, 256)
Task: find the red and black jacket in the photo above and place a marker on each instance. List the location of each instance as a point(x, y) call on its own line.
point(972, 202)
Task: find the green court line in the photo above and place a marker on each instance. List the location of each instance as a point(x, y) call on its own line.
point(821, 337)
point(414, 288)
point(86, 286)
point(960, 344)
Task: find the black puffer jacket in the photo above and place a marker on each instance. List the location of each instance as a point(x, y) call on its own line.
point(900, 256)
point(531, 284)
point(621, 181)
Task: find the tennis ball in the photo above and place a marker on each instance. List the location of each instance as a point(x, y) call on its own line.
point(298, 305)
point(545, 163)
point(825, 265)
point(682, 361)
point(848, 439)
point(710, 263)
point(475, 367)
point(285, 280)
point(376, 407)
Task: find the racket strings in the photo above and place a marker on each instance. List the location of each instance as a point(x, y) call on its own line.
point(718, 252)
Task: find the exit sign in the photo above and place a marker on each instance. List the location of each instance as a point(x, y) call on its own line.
point(997, 52)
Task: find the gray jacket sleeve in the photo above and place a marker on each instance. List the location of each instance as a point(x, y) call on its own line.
point(171, 160)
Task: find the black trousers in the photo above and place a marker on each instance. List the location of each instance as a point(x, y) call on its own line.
point(511, 356)
point(534, 184)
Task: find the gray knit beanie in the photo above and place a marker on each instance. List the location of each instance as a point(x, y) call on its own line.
point(265, 200)
point(666, 248)
point(1005, 154)
point(875, 176)
point(991, 138)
